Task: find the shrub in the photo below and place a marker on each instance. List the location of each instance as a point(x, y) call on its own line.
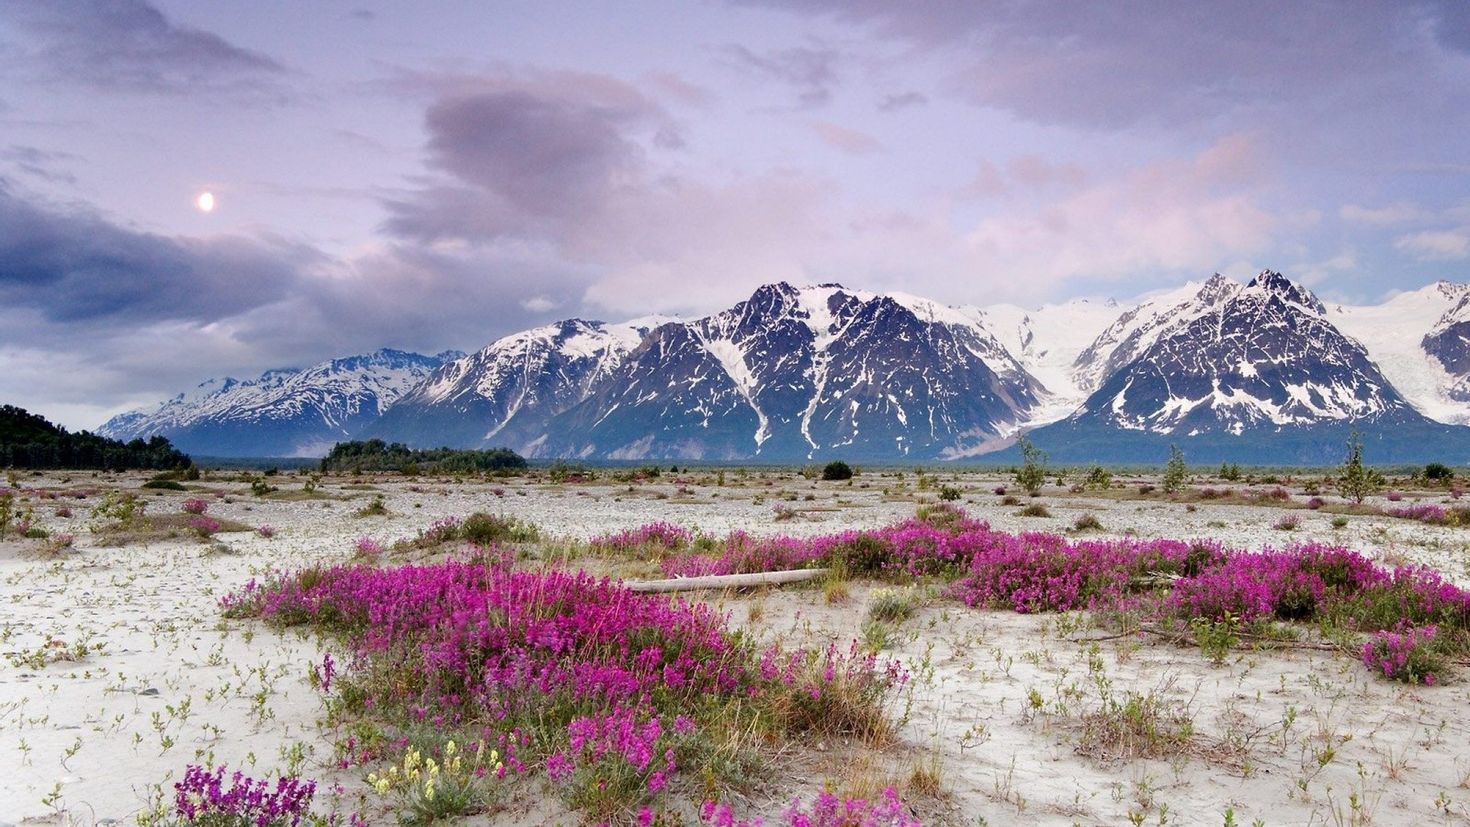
point(893, 604)
point(267, 531)
point(1176, 473)
point(1087, 522)
point(1229, 471)
point(375, 507)
point(1032, 473)
point(163, 485)
point(204, 526)
point(612, 693)
point(260, 488)
point(202, 798)
point(1010, 499)
point(1410, 655)
point(195, 506)
point(1216, 637)
point(1355, 480)
point(1034, 510)
point(1289, 522)
point(949, 493)
point(1339, 522)
point(488, 529)
point(837, 470)
point(1098, 478)
point(1438, 472)
point(1316, 503)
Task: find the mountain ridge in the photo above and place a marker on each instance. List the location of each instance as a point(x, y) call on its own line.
point(799, 373)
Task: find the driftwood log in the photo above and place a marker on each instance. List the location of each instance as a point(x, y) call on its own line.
point(725, 581)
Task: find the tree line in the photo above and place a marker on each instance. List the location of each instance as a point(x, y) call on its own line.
point(377, 455)
point(30, 441)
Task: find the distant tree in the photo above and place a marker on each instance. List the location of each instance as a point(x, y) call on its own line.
point(377, 455)
point(837, 470)
point(1229, 471)
point(1355, 480)
point(29, 441)
point(1098, 478)
point(1438, 472)
point(1176, 472)
point(1032, 473)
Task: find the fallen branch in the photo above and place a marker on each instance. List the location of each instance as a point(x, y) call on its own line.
point(725, 581)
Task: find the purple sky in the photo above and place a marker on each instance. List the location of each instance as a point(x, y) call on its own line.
point(433, 176)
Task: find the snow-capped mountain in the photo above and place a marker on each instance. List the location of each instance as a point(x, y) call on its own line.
point(505, 393)
point(795, 373)
point(1244, 363)
point(1258, 372)
point(285, 412)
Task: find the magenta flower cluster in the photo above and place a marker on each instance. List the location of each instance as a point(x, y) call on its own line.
point(204, 526)
point(827, 810)
point(195, 505)
point(1034, 572)
point(1406, 654)
point(604, 674)
point(659, 535)
point(204, 797)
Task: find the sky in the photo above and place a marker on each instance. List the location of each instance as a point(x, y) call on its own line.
point(430, 176)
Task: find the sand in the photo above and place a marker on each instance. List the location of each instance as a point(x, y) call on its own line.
point(120, 670)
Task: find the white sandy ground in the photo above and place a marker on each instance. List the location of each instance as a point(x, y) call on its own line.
point(1289, 737)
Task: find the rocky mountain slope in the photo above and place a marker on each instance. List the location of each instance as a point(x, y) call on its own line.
point(795, 374)
point(285, 412)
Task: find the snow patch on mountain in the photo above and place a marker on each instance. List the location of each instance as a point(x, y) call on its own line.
point(1394, 332)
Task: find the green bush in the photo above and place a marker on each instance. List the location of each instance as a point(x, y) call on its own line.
point(1438, 472)
point(837, 470)
point(1176, 473)
point(165, 485)
point(487, 529)
point(1032, 473)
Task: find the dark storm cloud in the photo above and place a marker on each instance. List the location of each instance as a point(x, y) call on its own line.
point(812, 72)
point(40, 163)
point(528, 158)
point(541, 155)
point(73, 266)
point(129, 45)
point(1098, 66)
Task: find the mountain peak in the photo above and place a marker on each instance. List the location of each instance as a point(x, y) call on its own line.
point(1272, 282)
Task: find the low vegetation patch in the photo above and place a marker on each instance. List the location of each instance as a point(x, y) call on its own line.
point(615, 698)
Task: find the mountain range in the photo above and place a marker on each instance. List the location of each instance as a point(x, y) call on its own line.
point(1254, 372)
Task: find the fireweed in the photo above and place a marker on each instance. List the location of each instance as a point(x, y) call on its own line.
point(612, 694)
point(204, 798)
point(1171, 579)
point(1410, 655)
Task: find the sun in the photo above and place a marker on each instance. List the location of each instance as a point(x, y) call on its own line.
point(205, 202)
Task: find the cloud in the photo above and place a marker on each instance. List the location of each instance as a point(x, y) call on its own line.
point(73, 266)
point(1184, 215)
point(1165, 63)
point(163, 313)
point(904, 100)
point(1435, 245)
point(843, 139)
point(811, 72)
point(38, 163)
point(130, 45)
point(1397, 213)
